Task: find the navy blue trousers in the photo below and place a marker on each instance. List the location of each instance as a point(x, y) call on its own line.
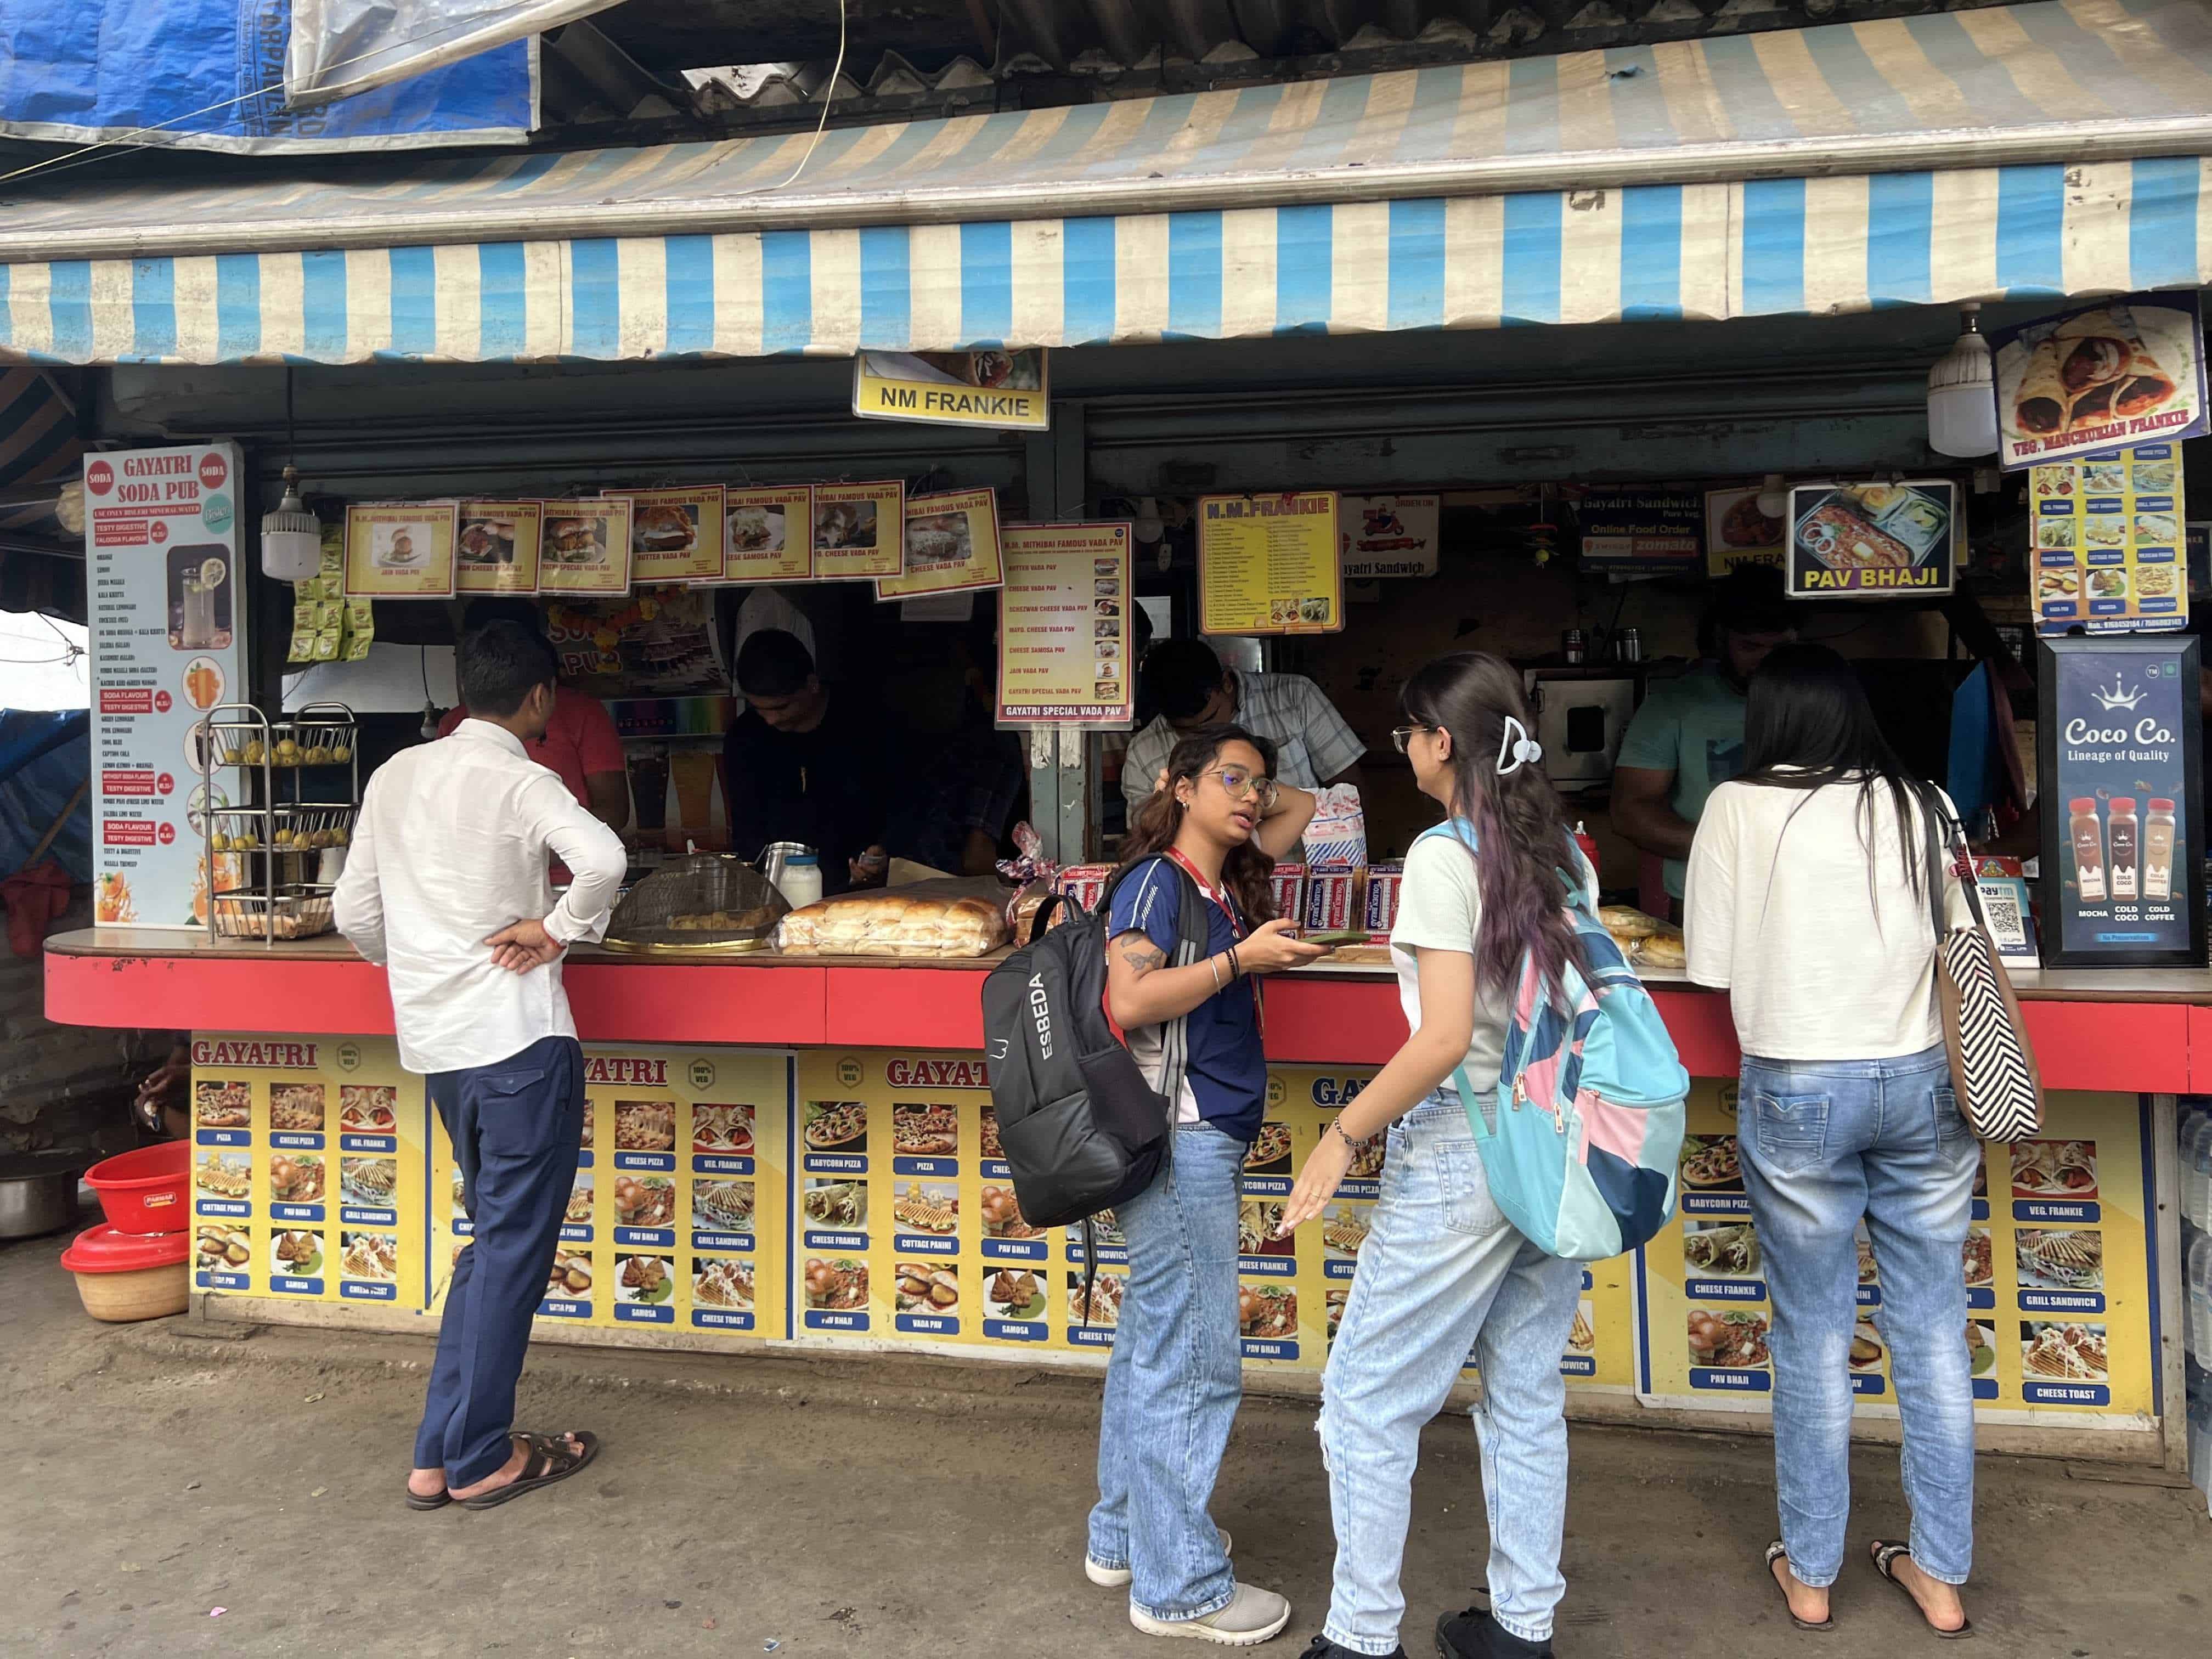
point(516, 1128)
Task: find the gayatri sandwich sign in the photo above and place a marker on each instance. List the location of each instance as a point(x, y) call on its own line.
point(993, 388)
point(2117, 375)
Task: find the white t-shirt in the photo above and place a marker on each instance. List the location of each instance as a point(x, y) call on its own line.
point(1437, 909)
point(1777, 912)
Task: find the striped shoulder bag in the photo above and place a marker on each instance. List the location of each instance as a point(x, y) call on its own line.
point(1992, 1067)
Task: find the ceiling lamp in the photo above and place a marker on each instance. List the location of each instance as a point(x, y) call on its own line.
point(1773, 496)
point(1962, 404)
point(291, 536)
point(1149, 526)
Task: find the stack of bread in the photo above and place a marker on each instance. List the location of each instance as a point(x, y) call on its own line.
point(899, 921)
point(1646, 940)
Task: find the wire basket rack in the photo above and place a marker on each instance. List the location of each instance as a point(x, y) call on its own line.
point(276, 798)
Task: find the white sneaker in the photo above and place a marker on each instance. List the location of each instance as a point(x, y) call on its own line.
point(1252, 1616)
point(1108, 1578)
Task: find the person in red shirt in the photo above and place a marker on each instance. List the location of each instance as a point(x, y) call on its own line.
point(579, 743)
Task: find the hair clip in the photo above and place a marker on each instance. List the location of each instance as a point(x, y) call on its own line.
point(1521, 750)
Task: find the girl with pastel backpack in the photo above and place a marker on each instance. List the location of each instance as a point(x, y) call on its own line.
point(1535, 1118)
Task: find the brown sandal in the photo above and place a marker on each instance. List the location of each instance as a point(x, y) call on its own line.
point(546, 1460)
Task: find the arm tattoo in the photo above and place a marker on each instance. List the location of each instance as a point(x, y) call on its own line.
point(1142, 955)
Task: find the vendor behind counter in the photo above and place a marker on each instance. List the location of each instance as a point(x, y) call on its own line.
point(806, 763)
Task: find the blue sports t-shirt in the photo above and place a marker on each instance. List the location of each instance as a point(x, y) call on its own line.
point(1226, 1072)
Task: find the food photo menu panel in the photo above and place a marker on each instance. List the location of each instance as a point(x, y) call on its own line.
point(2055, 1262)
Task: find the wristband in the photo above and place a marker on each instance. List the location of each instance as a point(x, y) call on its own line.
point(1214, 963)
point(1337, 1124)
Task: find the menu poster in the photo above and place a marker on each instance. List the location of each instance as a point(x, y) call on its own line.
point(1388, 535)
point(169, 643)
point(1739, 532)
point(2106, 376)
point(2119, 737)
point(586, 547)
point(401, 549)
point(1642, 529)
point(307, 1164)
point(1270, 564)
point(993, 387)
point(1858, 541)
point(1064, 648)
point(675, 535)
point(2057, 1302)
point(858, 529)
point(768, 536)
point(2106, 539)
point(676, 1215)
point(499, 543)
point(951, 545)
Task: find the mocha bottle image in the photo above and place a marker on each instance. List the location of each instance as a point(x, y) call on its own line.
point(2088, 838)
point(2158, 851)
point(2124, 831)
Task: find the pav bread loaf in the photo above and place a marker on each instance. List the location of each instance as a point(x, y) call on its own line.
point(897, 923)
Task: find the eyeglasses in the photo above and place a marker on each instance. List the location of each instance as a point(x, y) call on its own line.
point(1240, 783)
point(1402, 736)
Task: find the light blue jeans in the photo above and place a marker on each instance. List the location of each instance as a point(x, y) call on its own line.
point(1826, 1142)
point(1443, 1274)
point(1174, 1383)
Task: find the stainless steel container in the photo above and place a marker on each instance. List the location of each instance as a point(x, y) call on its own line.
point(38, 1193)
point(774, 856)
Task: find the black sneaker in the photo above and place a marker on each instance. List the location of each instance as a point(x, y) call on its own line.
point(1322, 1648)
point(1476, 1635)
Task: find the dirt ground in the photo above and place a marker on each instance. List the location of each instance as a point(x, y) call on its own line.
point(877, 1509)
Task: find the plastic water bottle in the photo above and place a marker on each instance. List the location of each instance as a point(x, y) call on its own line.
point(2195, 1161)
point(2197, 1301)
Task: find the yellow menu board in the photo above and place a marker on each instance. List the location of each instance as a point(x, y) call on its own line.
point(859, 530)
point(2058, 1280)
point(1064, 648)
point(675, 535)
point(952, 545)
point(768, 534)
point(2105, 540)
point(401, 551)
point(1269, 564)
point(677, 1217)
point(307, 1158)
point(499, 547)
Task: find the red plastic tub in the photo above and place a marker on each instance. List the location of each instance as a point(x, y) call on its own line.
point(124, 1277)
point(144, 1192)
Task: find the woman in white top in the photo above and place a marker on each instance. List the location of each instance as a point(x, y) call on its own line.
point(1443, 1274)
point(1809, 900)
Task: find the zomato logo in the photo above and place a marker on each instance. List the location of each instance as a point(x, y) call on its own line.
point(100, 477)
point(213, 470)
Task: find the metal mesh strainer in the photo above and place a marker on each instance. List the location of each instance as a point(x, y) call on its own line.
point(705, 903)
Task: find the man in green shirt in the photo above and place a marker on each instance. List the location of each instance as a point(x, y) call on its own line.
point(1687, 738)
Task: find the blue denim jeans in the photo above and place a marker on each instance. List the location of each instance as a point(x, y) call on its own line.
point(1826, 1142)
point(1173, 1384)
point(1443, 1274)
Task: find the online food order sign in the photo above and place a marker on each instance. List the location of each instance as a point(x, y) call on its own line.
point(2121, 731)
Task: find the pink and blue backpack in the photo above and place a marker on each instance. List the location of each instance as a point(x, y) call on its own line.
point(1583, 1136)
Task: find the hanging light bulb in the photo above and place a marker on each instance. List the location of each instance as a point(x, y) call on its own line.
point(1149, 527)
point(1773, 496)
point(1962, 404)
point(291, 536)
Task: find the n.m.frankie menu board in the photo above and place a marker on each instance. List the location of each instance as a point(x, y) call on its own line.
point(677, 1217)
point(1270, 564)
point(2057, 1277)
point(169, 643)
point(1065, 646)
point(308, 1165)
point(2105, 539)
point(2118, 742)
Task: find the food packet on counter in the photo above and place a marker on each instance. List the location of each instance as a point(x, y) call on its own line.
point(1287, 883)
point(947, 918)
point(1337, 837)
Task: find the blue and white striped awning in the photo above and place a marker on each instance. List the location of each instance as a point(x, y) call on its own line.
point(2039, 150)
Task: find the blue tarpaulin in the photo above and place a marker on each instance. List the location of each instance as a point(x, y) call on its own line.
point(210, 74)
point(44, 758)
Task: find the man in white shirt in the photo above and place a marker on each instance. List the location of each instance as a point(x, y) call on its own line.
point(446, 885)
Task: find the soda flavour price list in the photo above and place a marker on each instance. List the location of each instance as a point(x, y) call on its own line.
point(308, 1165)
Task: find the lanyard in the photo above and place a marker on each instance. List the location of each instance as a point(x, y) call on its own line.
point(1236, 929)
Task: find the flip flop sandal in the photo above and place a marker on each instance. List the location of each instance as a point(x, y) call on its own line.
point(436, 1501)
point(548, 1460)
point(1777, 1552)
point(1885, 1553)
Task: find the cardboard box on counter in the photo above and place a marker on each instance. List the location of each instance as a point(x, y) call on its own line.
point(1288, 882)
point(1384, 882)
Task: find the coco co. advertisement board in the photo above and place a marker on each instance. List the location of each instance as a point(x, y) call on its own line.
point(2120, 733)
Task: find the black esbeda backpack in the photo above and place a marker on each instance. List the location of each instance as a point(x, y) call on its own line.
point(1082, 1128)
